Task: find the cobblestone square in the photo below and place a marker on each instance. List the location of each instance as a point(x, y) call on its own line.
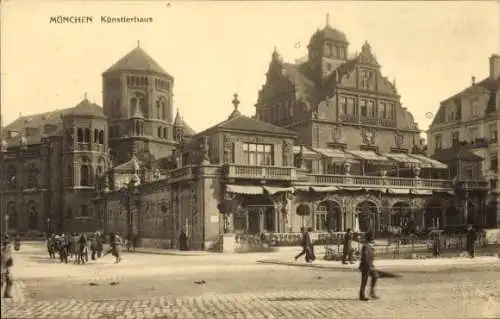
point(161, 286)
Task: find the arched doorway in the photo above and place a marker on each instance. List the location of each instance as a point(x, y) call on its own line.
point(367, 216)
point(328, 217)
point(471, 214)
point(399, 214)
point(32, 216)
point(453, 217)
point(432, 216)
point(260, 215)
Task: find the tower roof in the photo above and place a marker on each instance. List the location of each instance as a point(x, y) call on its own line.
point(137, 60)
point(328, 33)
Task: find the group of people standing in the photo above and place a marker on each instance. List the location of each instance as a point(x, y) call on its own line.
point(77, 246)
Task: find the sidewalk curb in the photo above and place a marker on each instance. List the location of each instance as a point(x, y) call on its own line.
point(478, 266)
point(171, 253)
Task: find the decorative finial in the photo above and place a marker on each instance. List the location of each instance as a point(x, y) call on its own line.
point(394, 82)
point(473, 80)
point(138, 43)
point(327, 19)
point(85, 95)
point(236, 102)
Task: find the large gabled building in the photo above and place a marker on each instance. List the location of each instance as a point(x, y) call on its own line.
point(471, 119)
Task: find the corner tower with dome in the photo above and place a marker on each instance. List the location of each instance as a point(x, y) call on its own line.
point(138, 101)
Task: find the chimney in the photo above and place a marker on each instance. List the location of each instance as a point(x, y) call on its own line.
point(495, 66)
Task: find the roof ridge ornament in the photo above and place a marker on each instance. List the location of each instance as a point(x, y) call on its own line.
point(327, 20)
point(138, 43)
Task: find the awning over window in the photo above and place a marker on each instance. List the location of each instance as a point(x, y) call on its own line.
point(273, 190)
point(248, 190)
point(430, 161)
point(369, 156)
point(324, 189)
point(352, 189)
point(406, 159)
point(421, 192)
point(301, 188)
point(398, 191)
point(306, 151)
point(334, 153)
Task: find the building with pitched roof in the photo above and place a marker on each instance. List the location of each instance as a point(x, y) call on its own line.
point(469, 121)
point(53, 161)
point(329, 148)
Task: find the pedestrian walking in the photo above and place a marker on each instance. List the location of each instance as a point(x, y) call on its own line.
point(307, 247)
point(347, 251)
point(17, 243)
point(6, 267)
point(471, 240)
point(367, 268)
point(183, 240)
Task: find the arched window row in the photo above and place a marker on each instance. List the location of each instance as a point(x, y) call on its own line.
point(163, 133)
point(281, 112)
point(84, 135)
point(161, 110)
point(137, 81)
point(162, 85)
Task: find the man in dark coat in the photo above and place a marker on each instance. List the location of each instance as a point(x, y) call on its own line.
point(367, 269)
point(471, 240)
point(347, 252)
point(7, 263)
point(183, 240)
point(307, 247)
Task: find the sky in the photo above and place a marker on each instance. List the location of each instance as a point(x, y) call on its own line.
point(214, 49)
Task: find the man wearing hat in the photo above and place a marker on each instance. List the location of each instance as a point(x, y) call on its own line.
point(7, 263)
point(367, 268)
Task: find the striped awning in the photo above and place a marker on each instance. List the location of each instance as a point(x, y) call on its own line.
point(406, 159)
point(369, 156)
point(273, 190)
point(334, 153)
point(245, 189)
point(324, 189)
point(430, 161)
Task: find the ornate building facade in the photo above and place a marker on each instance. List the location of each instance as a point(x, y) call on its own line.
point(470, 120)
point(330, 148)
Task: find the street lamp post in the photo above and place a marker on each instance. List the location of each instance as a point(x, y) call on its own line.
point(3, 150)
point(48, 225)
point(6, 219)
point(130, 193)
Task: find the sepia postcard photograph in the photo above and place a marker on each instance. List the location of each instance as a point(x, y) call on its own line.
point(250, 159)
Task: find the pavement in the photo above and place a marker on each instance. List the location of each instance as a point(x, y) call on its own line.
point(235, 286)
point(400, 265)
